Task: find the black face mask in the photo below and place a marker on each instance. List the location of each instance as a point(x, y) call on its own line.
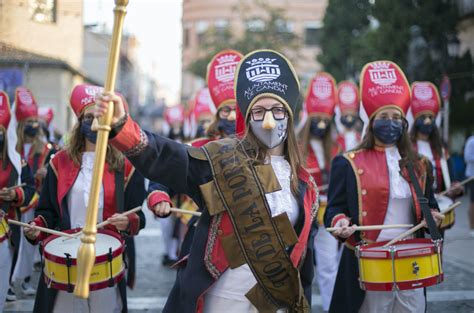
point(87, 131)
point(31, 130)
point(388, 131)
point(318, 127)
point(348, 121)
point(227, 127)
point(2, 141)
point(423, 128)
point(201, 131)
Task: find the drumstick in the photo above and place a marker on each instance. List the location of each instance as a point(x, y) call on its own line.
point(372, 227)
point(42, 229)
point(176, 210)
point(107, 222)
point(419, 226)
point(17, 186)
point(461, 183)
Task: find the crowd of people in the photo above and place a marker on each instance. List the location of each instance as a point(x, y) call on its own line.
point(279, 191)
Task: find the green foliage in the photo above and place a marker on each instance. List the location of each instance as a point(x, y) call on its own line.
point(349, 41)
point(270, 33)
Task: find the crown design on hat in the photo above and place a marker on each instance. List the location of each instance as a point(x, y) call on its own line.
point(425, 99)
point(383, 84)
point(25, 104)
point(321, 97)
point(5, 114)
point(84, 95)
point(220, 76)
point(348, 96)
point(262, 70)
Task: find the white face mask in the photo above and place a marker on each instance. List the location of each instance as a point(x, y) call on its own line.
point(271, 138)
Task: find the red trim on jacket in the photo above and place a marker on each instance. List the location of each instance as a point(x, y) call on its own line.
point(66, 173)
point(128, 137)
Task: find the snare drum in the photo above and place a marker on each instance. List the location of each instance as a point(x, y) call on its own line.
point(4, 229)
point(60, 255)
point(408, 264)
point(443, 203)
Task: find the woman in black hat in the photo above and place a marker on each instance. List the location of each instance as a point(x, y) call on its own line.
point(250, 249)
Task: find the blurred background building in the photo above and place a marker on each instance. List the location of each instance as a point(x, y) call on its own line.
point(301, 17)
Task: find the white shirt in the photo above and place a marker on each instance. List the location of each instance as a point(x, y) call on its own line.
point(235, 283)
point(350, 140)
point(318, 149)
point(469, 156)
point(26, 150)
point(424, 148)
point(78, 196)
point(399, 204)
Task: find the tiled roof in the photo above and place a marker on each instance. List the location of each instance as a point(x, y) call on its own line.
point(10, 55)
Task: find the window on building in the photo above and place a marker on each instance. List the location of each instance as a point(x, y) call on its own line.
point(186, 37)
point(255, 25)
point(312, 33)
point(201, 30)
point(284, 26)
point(43, 11)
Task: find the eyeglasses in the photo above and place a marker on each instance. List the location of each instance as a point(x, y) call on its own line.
point(225, 111)
point(279, 113)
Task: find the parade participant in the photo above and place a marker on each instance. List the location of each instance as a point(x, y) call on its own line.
point(46, 116)
point(250, 248)
point(174, 117)
point(371, 186)
point(201, 113)
point(426, 138)
point(64, 198)
point(220, 91)
point(469, 159)
point(348, 102)
point(37, 153)
point(11, 197)
point(318, 148)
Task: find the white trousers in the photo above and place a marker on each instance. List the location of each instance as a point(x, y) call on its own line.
point(171, 244)
point(405, 301)
point(216, 304)
point(100, 301)
point(6, 255)
point(328, 255)
point(26, 254)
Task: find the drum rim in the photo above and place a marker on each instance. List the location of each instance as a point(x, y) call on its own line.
point(98, 259)
point(403, 285)
point(363, 248)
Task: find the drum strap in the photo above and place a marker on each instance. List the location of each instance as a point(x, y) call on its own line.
point(119, 190)
point(12, 179)
point(423, 202)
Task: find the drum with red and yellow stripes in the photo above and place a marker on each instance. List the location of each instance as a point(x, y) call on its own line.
point(408, 264)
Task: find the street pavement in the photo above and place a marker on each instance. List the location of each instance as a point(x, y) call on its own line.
point(454, 295)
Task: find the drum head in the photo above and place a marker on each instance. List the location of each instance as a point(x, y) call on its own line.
point(443, 202)
point(59, 246)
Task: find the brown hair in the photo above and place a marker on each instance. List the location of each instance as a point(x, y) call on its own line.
point(328, 143)
point(37, 145)
point(291, 152)
point(77, 144)
point(434, 139)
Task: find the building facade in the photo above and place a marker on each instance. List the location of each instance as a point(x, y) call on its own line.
point(41, 43)
point(304, 19)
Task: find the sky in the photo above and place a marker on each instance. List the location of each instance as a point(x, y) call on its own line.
point(157, 25)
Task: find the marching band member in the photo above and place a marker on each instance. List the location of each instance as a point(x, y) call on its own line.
point(371, 186)
point(64, 200)
point(250, 248)
point(348, 102)
point(427, 140)
point(318, 148)
point(201, 113)
point(46, 116)
point(13, 172)
point(220, 91)
point(37, 153)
